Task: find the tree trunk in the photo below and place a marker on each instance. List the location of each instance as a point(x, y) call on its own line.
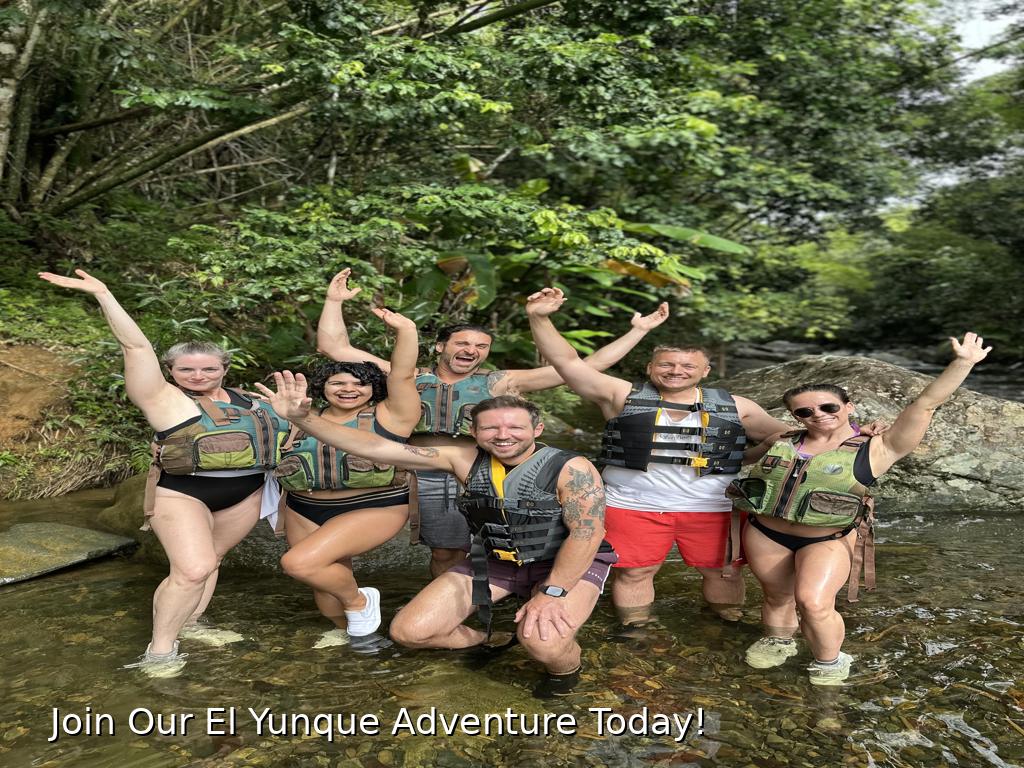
point(16, 47)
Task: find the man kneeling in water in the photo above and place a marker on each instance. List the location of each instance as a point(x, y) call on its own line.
point(537, 517)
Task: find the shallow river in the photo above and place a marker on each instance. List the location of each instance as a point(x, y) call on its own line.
point(938, 681)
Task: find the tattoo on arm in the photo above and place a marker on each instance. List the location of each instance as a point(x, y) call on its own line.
point(497, 384)
point(421, 451)
point(584, 504)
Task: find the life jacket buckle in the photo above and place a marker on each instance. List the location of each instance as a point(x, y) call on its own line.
point(507, 555)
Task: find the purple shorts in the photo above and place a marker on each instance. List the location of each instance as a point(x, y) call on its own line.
point(521, 579)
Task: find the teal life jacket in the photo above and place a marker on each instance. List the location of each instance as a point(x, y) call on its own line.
point(225, 436)
point(821, 490)
point(631, 437)
point(310, 465)
point(446, 408)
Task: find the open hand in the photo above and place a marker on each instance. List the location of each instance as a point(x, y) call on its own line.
point(289, 401)
point(651, 321)
point(394, 320)
point(544, 302)
point(338, 290)
point(87, 283)
point(547, 616)
point(972, 348)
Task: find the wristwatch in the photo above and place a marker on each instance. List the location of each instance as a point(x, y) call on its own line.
point(552, 591)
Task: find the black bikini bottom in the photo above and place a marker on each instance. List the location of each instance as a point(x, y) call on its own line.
point(319, 511)
point(793, 543)
point(216, 493)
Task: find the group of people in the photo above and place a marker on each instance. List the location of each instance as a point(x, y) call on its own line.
point(503, 513)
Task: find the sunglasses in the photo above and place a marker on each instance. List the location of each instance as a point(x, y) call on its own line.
point(803, 413)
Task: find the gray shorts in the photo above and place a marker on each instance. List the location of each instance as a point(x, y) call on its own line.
point(442, 526)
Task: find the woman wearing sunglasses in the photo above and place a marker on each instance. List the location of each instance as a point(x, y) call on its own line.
point(806, 495)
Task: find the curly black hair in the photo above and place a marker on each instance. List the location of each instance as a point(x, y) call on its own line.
point(366, 372)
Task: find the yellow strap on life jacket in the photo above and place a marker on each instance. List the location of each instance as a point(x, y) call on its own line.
point(498, 477)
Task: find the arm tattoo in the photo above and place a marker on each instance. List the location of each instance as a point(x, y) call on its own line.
point(494, 378)
point(420, 451)
point(584, 505)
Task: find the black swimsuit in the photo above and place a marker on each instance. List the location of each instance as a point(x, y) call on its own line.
point(214, 491)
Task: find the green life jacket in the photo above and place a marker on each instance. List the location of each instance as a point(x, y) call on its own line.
point(630, 438)
point(821, 490)
point(310, 465)
point(226, 436)
point(446, 408)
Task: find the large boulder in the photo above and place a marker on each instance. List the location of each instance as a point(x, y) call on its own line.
point(971, 455)
point(28, 550)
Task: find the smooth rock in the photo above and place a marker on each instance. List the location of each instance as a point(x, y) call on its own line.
point(28, 550)
point(970, 457)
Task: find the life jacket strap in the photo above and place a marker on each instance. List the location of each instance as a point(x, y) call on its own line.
point(863, 553)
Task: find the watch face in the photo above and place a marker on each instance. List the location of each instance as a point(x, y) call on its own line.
point(552, 591)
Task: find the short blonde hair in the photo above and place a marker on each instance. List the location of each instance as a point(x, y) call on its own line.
point(196, 348)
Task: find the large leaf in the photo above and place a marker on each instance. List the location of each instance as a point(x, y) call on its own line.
point(687, 235)
point(484, 280)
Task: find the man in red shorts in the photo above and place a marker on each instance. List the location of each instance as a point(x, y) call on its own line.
point(670, 449)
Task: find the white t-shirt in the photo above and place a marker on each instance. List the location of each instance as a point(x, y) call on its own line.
point(668, 487)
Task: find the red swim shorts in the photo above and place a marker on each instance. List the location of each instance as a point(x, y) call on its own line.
point(645, 538)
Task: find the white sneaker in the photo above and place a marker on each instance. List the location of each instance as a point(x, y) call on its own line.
point(366, 621)
point(159, 665)
point(831, 674)
point(770, 652)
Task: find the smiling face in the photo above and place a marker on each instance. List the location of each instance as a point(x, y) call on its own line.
point(811, 410)
point(673, 372)
point(345, 392)
point(506, 433)
point(198, 373)
point(463, 352)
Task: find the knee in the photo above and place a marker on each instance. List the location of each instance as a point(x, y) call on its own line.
point(549, 650)
point(815, 607)
point(408, 631)
point(631, 576)
point(296, 566)
point(194, 572)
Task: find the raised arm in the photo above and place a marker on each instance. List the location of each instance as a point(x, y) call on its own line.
point(758, 423)
point(581, 494)
point(332, 335)
point(608, 392)
point(546, 377)
point(401, 411)
point(909, 428)
point(163, 404)
point(291, 403)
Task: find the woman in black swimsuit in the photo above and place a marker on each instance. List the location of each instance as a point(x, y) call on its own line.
point(201, 507)
point(819, 475)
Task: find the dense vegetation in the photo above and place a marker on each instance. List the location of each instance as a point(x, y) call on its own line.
point(216, 163)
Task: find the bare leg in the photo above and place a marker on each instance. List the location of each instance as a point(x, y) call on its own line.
point(195, 541)
point(821, 571)
point(321, 556)
point(433, 619)
point(633, 589)
point(773, 565)
point(558, 654)
point(443, 559)
point(724, 595)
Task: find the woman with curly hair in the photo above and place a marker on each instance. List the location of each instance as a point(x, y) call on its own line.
point(338, 505)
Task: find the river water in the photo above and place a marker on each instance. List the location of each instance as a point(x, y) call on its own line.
point(938, 681)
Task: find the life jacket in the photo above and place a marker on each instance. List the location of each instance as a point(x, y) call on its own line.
point(446, 408)
point(226, 436)
point(515, 517)
point(821, 490)
point(631, 437)
point(310, 465)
